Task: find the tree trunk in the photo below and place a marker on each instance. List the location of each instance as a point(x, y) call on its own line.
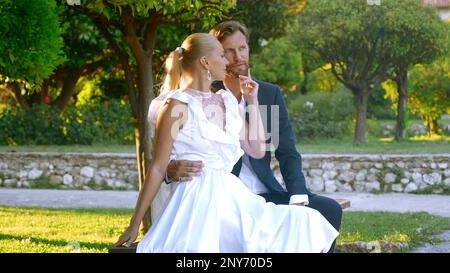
point(39, 96)
point(140, 100)
point(402, 81)
point(434, 126)
point(427, 124)
point(70, 81)
point(143, 53)
point(143, 148)
point(17, 91)
point(304, 88)
point(361, 114)
point(44, 90)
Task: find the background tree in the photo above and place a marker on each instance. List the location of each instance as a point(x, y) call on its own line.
point(87, 53)
point(274, 55)
point(311, 61)
point(418, 36)
point(29, 49)
point(368, 44)
point(351, 36)
point(430, 92)
point(322, 80)
point(131, 28)
point(266, 19)
point(279, 62)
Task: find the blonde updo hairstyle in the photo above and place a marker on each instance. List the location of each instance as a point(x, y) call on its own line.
point(185, 57)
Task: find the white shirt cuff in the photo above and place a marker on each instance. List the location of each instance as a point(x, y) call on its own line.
point(299, 198)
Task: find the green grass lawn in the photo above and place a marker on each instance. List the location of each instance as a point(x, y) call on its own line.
point(329, 146)
point(71, 148)
point(57, 230)
point(412, 228)
point(440, 145)
point(54, 230)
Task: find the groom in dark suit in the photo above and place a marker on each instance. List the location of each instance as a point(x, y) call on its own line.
point(256, 173)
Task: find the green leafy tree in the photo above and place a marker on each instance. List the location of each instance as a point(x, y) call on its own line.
point(30, 43)
point(418, 35)
point(365, 43)
point(321, 80)
point(430, 92)
point(351, 37)
point(279, 62)
point(266, 19)
point(131, 29)
point(311, 61)
point(87, 53)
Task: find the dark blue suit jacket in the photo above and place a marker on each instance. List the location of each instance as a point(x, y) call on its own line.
point(289, 159)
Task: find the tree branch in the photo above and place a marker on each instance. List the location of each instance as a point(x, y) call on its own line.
point(193, 20)
point(130, 37)
point(108, 36)
point(150, 37)
point(131, 88)
point(123, 58)
point(97, 16)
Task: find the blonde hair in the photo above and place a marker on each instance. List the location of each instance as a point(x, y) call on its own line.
point(192, 49)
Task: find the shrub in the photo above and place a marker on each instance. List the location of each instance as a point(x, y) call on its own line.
point(379, 107)
point(40, 124)
point(321, 114)
point(108, 123)
point(374, 128)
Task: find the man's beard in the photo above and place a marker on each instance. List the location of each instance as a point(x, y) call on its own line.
point(235, 71)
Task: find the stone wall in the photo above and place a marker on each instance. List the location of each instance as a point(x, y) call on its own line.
point(68, 170)
point(323, 173)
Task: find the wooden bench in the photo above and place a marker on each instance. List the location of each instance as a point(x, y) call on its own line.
point(132, 249)
point(123, 249)
point(343, 202)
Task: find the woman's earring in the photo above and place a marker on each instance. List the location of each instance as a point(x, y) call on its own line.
point(208, 75)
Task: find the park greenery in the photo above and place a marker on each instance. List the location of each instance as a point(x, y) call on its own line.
point(356, 77)
point(72, 52)
point(39, 230)
point(84, 72)
point(367, 45)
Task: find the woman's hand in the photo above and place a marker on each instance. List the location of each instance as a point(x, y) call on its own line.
point(249, 89)
point(128, 237)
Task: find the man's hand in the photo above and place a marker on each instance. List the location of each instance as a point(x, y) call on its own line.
point(184, 170)
point(249, 89)
point(298, 204)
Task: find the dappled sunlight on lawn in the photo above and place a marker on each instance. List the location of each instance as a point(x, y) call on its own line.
point(411, 228)
point(432, 138)
point(60, 230)
point(94, 230)
point(437, 138)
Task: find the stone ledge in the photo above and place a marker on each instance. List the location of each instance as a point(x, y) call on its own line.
point(371, 247)
point(343, 202)
point(323, 172)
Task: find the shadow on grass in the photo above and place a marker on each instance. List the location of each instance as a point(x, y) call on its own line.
point(56, 243)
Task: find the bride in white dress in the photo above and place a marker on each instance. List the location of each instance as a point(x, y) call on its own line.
point(215, 212)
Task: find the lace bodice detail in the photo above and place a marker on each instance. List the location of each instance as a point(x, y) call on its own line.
point(213, 106)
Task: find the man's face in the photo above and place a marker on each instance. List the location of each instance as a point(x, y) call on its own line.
point(236, 52)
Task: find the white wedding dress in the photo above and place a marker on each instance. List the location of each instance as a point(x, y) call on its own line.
point(216, 212)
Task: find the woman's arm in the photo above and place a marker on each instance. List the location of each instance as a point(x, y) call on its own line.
point(252, 134)
point(168, 125)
